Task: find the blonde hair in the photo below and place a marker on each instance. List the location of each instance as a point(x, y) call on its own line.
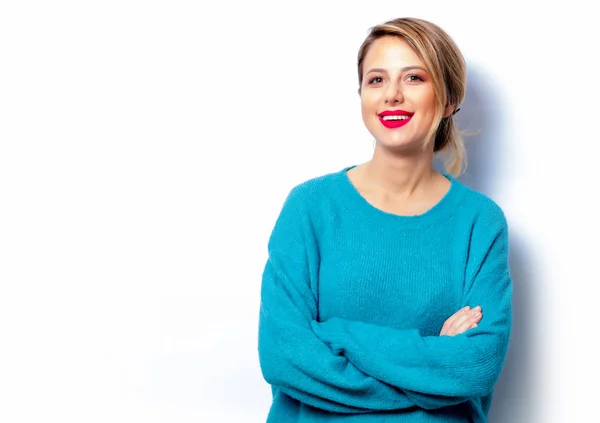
point(447, 70)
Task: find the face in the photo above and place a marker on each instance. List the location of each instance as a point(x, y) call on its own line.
point(395, 80)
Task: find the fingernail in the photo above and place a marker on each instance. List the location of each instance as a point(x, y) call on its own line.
point(466, 308)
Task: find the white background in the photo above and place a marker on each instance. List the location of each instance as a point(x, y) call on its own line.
point(146, 148)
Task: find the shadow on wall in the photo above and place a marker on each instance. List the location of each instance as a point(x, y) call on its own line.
point(482, 112)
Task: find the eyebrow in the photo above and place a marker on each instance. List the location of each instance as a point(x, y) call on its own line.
point(404, 69)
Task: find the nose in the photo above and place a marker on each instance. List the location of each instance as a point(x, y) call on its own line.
point(394, 94)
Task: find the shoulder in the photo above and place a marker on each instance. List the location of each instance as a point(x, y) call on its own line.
point(311, 192)
point(308, 203)
point(301, 215)
point(481, 209)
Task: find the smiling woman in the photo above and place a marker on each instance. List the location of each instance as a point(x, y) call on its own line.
point(386, 295)
point(404, 64)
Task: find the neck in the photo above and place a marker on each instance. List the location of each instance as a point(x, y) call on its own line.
point(400, 177)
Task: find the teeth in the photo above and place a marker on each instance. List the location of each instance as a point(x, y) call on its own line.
point(395, 117)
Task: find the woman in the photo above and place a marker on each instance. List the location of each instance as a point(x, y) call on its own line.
point(387, 293)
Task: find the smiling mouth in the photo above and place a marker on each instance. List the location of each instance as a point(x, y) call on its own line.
point(392, 122)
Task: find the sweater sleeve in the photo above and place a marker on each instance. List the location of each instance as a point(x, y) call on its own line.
point(292, 358)
point(436, 367)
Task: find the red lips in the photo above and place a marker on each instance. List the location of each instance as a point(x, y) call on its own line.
point(392, 124)
point(395, 113)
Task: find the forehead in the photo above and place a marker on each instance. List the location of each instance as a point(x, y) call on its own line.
point(390, 53)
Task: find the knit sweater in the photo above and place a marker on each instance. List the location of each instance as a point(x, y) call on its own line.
point(353, 299)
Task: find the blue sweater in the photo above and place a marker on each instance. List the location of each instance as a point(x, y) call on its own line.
point(353, 300)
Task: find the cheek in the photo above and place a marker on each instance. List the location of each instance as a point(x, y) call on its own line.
point(425, 100)
point(364, 106)
point(368, 104)
point(368, 113)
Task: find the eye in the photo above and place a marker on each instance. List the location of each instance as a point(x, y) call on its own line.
point(410, 78)
point(418, 78)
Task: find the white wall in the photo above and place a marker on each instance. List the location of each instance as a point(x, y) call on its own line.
point(146, 149)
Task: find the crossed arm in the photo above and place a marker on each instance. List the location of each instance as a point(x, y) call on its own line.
point(355, 367)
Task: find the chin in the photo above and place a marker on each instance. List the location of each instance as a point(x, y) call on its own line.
point(399, 142)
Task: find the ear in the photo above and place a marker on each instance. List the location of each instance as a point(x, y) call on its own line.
point(448, 110)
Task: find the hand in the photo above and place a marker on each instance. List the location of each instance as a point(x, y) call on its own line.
point(461, 321)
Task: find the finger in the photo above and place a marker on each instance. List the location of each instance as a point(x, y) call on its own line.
point(465, 321)
point(474, 322)
point(450, 320)
point(474, 313)
point(463, 311)
point(469, 324)
point(461, 318)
